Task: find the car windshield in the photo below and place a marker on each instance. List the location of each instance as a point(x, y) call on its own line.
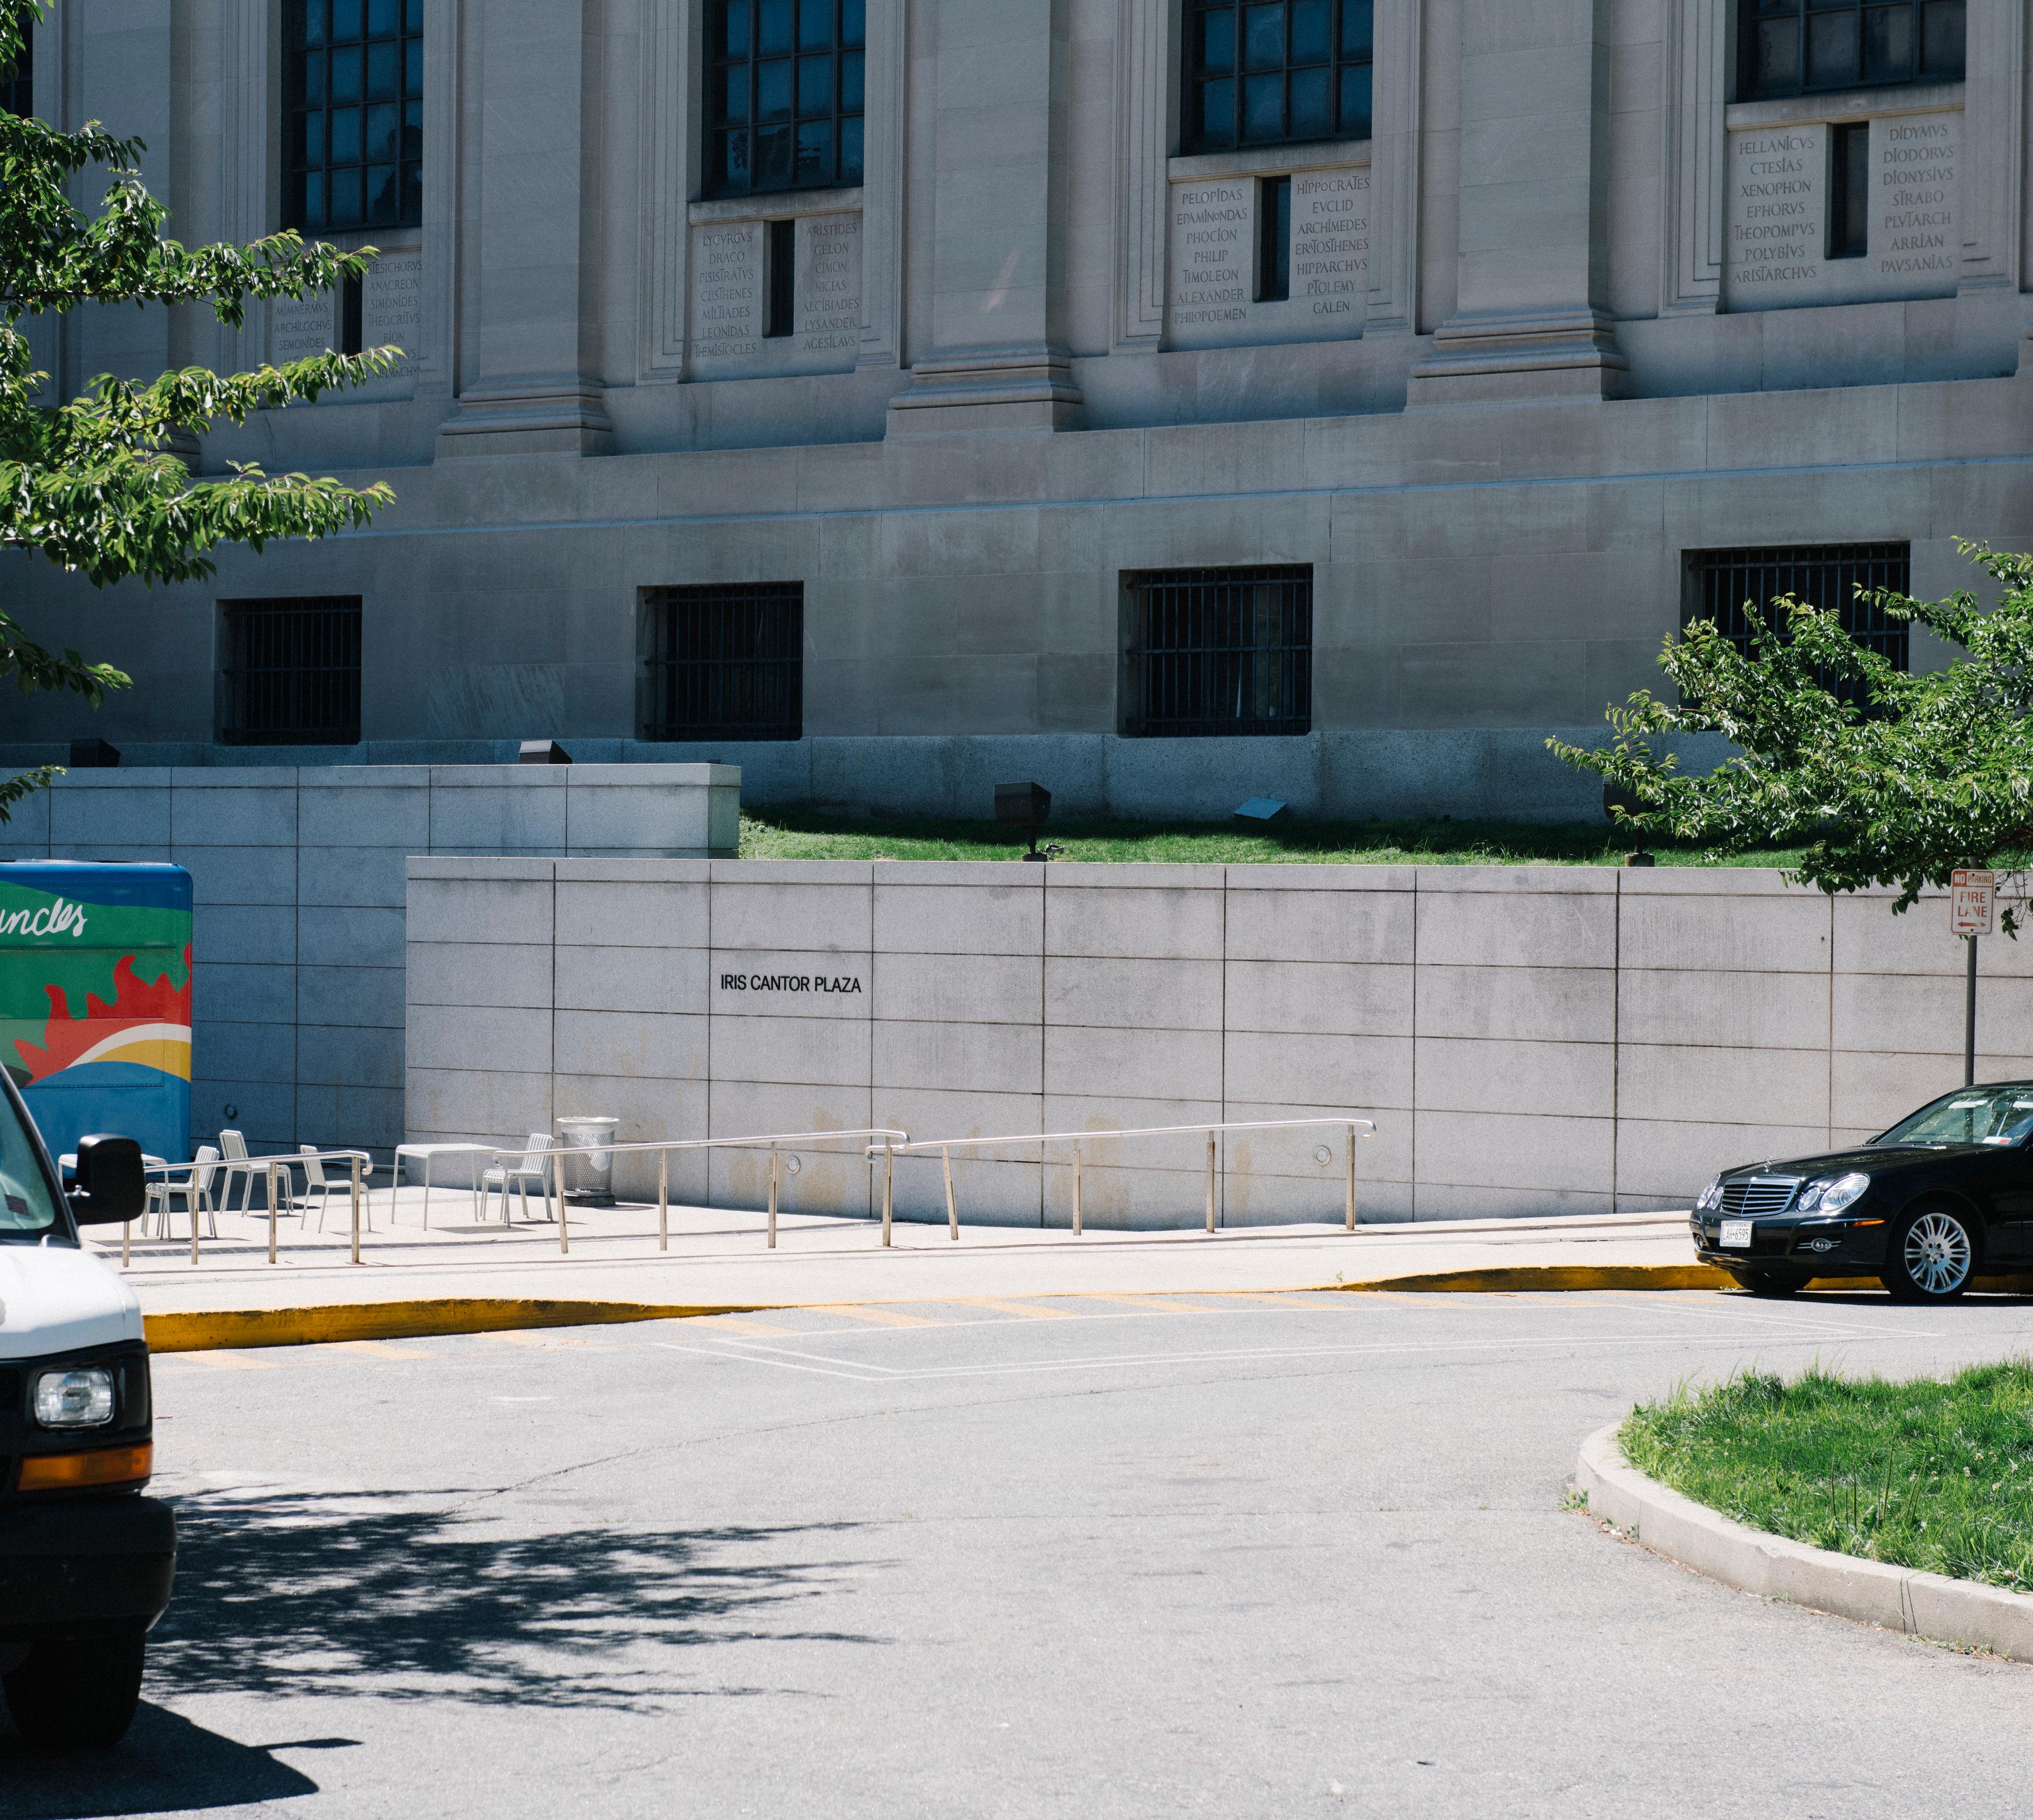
point(1976, 1115)
point(27, 1208)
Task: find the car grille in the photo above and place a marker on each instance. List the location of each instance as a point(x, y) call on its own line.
point(1759, 1196)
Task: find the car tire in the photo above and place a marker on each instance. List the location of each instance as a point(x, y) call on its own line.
point(1934, 1254)
point(78, 1694)
point(1763, 1282)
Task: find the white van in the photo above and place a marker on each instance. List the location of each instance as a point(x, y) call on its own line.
point(86, 1562)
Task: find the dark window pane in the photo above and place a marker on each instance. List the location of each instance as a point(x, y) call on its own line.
point(346, 205)
point(814, 24)
point(734, 94)
point(383, 196)
point(314, 22)
point(851, 82)
point(345, 74)
point(734, 29)
point(1218, 112)
point(384, 72)
point(1358, 27)
point(345, 20)
point(306, 199)
point(815, 87)
point(385, 18)
point(1888, 44)
point(773, 164)
point(1355, 106)
point(775, 21)
point(309, 148)
point(1312, 103)
point(1264, 107)
point(815, 151)
point(772, 89)
point(1778, 65)
point(310, 84)
point(1942, 39)
point(1309, 34)
point(1832, 49)
point(384, 130)
point(413, 67)
point(1263, 37)
point(413, 192)
point(853, 26)
point(1217, 31)
point(850, 151)
point(413, 134)
point(413, 16)
point(346, 142)
point(731, 160)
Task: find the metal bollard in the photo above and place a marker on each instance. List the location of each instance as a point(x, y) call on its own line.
point(1079, 1192)
point(271, 1213)
point(1351, 1178)
point(1210, 1197)
point(775, 1163)
point(355, 1162)
point(952, 1214)
point(888, 1184)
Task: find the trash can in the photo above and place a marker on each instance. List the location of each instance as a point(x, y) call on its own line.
point(586, 1164)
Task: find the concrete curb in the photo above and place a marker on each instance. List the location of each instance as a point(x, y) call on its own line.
point(1902, 1599)
point(1507, 1279)
point(221, 1329)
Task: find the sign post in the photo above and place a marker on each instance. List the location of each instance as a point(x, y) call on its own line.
point(1972, 907)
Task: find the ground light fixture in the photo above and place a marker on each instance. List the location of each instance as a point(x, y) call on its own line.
point(1027, 806)
point(543, 752)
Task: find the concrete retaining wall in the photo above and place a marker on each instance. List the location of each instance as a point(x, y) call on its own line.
point(298, 875)
point(1528, 1040)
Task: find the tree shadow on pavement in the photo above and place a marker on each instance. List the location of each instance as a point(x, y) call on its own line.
point(165, 1764)
point(301, 1593)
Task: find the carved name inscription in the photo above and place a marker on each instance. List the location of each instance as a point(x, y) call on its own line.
point(392, 305)
point(830, 290)
point(301, 327)
point(1212, 300)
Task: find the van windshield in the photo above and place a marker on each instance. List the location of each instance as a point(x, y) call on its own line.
point(27, 1208)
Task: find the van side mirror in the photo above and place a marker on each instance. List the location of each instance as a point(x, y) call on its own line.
point(111, 1186)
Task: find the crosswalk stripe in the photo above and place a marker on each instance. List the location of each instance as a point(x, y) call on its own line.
point(749, 1329)
point(232, 1361)
point(379, 1348)
point(878, 1317)
point(1028, 1311)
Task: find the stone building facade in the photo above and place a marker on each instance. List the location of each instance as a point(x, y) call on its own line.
point(1173, 401)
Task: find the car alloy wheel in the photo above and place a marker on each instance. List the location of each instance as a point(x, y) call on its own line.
point(1936, 1256)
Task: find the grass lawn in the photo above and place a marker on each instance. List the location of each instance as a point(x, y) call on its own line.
point(1926, 1474)
point(790, 834)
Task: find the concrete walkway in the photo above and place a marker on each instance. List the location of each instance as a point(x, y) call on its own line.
point(718, 1258)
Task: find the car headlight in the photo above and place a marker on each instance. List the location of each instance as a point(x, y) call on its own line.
point(1833, 1196)
point(75, 1400)
point(1711, 1197)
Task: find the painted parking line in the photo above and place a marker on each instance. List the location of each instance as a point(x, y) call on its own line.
point(380, 1349)
point(878, 1316)
point(1022, 1310)
point(748, 1328)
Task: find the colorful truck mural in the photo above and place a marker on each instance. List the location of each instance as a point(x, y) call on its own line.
point(96, 1000)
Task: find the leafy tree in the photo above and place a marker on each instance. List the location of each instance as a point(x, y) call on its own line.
point(1882, 777)
point(93, 485)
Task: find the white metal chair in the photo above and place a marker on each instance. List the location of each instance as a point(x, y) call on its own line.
point(194, 1185)
point(317, 1182)
point(233, 1148)
point(535, 1166)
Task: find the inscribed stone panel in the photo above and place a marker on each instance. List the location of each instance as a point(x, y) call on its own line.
point(391, 304)
point(730, 280)
point(301, 328)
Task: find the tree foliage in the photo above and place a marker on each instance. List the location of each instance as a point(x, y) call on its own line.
point(94, 485)
point(1883, 777)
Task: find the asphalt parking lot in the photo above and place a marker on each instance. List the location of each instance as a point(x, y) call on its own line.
point(1275, 1555)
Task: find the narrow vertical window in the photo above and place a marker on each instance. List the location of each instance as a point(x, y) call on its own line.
point(1274, 240)
point(781, 265)
point(17, 85)
point(1277, 71)
point(785, 83)
point(349, 304)
point(353, 75)
point(1849, 191)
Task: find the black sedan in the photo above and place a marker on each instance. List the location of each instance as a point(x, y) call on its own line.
point(1923, 1208)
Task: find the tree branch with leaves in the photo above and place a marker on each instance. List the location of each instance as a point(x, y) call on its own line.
point(94, 485)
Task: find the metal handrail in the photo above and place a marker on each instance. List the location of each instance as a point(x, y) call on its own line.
point(946, 1146)
point(773, 1141)
point(272, 1165)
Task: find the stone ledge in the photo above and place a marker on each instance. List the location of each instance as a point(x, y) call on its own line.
point(1903, 1599)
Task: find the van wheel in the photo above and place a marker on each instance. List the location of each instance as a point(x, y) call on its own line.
point(78, 1694)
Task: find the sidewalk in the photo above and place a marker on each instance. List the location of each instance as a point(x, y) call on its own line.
point(717, 1259)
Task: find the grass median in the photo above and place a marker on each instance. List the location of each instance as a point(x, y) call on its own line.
point(1933, 1474)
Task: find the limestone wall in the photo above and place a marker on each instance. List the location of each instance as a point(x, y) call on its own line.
point(1528, 1040)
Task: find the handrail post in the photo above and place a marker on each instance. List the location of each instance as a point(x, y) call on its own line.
point(355, 1162)
point(564, 1232)
point(1079, 1192)
point(271, 1213)
point(888, 1184)
point(1210, 1191)
point(663, 1200)
point(776, 1165)
point(952, 1214)
point(1351, 1178)
point(190, 1201)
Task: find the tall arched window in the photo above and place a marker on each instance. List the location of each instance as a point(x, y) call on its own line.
point(1276, 72)
point(354, 114)
point(784, 100)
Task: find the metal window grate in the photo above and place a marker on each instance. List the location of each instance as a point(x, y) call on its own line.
point(723, 663)
point(1735, 589)
point(1208, 651)
point(1800, 46)
point(17, 83)
point(1277, 74)
point(354, 114)
point(292, 672)
point(784, 81)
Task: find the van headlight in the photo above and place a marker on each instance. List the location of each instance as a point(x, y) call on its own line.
point(80, 1398)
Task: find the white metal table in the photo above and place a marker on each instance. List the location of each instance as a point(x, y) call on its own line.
point(429, 1153)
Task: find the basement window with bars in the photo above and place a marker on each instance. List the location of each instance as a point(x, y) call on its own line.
point(723, 663)
point(291, 675)
point(1737, 588)
point(1212, 652)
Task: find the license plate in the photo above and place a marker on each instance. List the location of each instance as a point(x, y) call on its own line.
point(1736, 1234)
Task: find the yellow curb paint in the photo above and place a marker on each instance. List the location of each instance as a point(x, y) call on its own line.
point(208, 1330)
